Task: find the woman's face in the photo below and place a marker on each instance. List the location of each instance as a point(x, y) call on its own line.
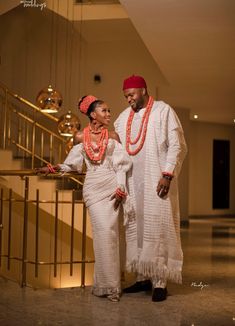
point(102, 114)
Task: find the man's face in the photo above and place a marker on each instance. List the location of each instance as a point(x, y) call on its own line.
point(135, 97)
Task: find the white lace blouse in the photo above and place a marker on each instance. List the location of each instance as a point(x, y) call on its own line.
point(115, 159)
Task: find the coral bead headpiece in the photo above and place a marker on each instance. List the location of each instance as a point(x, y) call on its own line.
point(86, 102)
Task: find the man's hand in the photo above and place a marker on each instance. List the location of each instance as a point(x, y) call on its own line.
point(163, 187)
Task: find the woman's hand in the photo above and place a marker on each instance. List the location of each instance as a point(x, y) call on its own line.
point(45, 170)
point(48, 169)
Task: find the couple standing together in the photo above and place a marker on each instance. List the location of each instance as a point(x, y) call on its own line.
point(132, 170)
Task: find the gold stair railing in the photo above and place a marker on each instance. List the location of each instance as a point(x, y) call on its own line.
point(29, 250)
point(31, 135)
point(20, 127)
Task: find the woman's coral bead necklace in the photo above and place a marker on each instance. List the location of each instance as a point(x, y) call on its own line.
point(95, 153)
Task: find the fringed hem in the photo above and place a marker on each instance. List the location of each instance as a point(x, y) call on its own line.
point(151, 270)
point(103, 292)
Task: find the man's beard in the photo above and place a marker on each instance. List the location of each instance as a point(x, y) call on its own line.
point(137, 106)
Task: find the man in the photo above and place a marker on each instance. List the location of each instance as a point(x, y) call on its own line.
point(152, 135)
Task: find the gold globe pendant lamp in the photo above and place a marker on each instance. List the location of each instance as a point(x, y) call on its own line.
point(68, 124)
point(49, 100)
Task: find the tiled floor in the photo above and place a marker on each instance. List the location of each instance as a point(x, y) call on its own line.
point(207, 296)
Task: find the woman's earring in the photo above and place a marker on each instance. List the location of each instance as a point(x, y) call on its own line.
point(93, 115)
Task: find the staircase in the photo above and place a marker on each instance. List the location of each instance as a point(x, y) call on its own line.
point(30, 133)
point(45, 239)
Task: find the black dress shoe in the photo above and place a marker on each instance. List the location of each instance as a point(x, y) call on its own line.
point(159, 294)
point(138, 287)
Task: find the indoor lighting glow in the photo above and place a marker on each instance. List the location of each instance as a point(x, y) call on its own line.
point(195, 116)
point(68, 124)
point(49, 100)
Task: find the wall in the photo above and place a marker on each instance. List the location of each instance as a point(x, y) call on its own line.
point(200, 156)
point(38, 48)
point(116, 61)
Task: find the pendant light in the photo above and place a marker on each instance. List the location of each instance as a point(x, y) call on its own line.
point(68, 124)
point(49, 99)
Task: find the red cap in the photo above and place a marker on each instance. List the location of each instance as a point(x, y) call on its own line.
point(134, 82)
point(86, 102)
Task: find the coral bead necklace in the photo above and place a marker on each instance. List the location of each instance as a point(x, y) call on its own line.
point(142, 130)
point(95, 153)
point(93, 131)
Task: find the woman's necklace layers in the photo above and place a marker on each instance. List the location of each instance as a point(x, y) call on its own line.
point(142, 130)
point(95, 153)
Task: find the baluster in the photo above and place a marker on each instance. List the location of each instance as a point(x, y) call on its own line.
point(37, 233)
point(83, 267)
point(72, 233)
point(25, 234)
point(56, 234)
point(9, 229)
point(33, 146)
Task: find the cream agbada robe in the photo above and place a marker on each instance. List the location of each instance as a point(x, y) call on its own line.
point(153, 239)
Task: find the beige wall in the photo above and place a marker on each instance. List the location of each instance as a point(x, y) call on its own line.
point(200, 156)
point(115, 61)
point(35, 52)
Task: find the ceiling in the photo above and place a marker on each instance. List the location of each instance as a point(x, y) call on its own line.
point(192, 42)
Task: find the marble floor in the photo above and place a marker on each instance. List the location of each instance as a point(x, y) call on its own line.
point(206, 297)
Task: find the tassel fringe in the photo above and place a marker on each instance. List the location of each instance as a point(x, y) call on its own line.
point(150, 269)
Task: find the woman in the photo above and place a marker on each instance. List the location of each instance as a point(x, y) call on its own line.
point(103, 191)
